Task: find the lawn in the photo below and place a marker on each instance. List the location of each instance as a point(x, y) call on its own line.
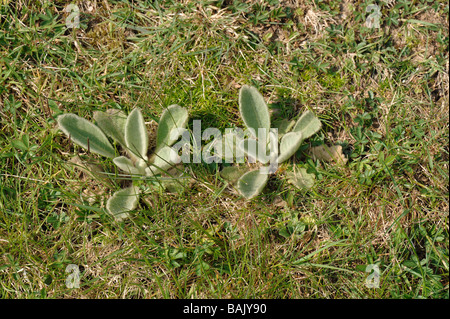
point(373, 225)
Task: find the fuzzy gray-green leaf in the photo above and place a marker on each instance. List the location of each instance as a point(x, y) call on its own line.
point(253, 109)
point(283, 126)
point(289, 145)
point(301, 179)
point(308, 124)
point(227, 147)
point(136, 134)
point(126, 165)
point(173, 117)
point(233, 173)
point(162, 161)
point(86, 134)
point(112, 122)
point(122, 202)
point(251, 184)
point(255, 149)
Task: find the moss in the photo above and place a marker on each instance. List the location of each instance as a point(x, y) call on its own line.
point(332, 81)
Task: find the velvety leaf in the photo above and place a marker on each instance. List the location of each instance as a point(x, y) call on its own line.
point(173, 117)
point(283, 126)
point(86, 134)
point(301, 179)
point(255, 149)
point(253, 109)
point(233, 173)
point(273, 157)
point(122, 202)
point(162, 161)
point(290, 143)
point(126, 165)
point(136, 134)
point(328, 153)
point(251, 184)
point(308, 124)
point(112, 123)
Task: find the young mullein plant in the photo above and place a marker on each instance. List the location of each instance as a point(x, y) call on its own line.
point(268, 146)
point(129, 132)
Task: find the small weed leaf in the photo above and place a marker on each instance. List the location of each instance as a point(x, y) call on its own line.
point(162, 160)
point(329, 153)
point(289, 145)
point(136, 134)
point(308, 124)
point(233, 173)
point(301, 179)
point(254, 110)
point(283, 126)
point(173, 117)
point(252, 183)
point(126, 165)
point(122, 202)
point(86, 134)
point(254, 149)
point(112, 123)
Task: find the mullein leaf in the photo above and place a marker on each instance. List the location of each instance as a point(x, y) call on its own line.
point(162, 161)
point(86, 134)
point(301, 178)
point(112, 122)
point(251, 184)
point(254, 110)
point(233, 173)
point(122, 202)
point(308, 124)
point(290, 143)
point(136, 134)
point(173, 117)
point(255, 149)
point(126, 165)
point(283, 126)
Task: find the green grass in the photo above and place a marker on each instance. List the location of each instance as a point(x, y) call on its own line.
point(380, 93)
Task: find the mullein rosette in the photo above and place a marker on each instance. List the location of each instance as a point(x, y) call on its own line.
point(131, 134)
point(267, 146)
